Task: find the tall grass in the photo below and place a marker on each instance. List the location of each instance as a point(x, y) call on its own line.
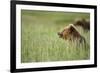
point(40, 42)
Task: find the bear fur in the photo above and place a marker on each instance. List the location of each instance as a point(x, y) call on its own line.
point(71, 33)
point(85, 24)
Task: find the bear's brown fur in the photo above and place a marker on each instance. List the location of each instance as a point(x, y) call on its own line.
point(85, 24)
point(71, 33)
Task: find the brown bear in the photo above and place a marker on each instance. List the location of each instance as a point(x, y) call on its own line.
point(71, 33)
point(85, 24)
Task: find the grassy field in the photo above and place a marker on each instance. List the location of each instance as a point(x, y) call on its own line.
point(40, 42)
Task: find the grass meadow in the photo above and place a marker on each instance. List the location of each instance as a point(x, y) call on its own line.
point(40, 42)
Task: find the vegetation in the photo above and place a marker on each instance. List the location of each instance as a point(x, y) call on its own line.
point(40, 42)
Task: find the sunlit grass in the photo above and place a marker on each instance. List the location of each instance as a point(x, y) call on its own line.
point(40, 42)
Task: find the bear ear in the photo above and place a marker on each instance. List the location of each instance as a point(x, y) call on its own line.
point(72, 28)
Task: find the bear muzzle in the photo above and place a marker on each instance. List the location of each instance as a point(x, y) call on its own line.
point(60, 34)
